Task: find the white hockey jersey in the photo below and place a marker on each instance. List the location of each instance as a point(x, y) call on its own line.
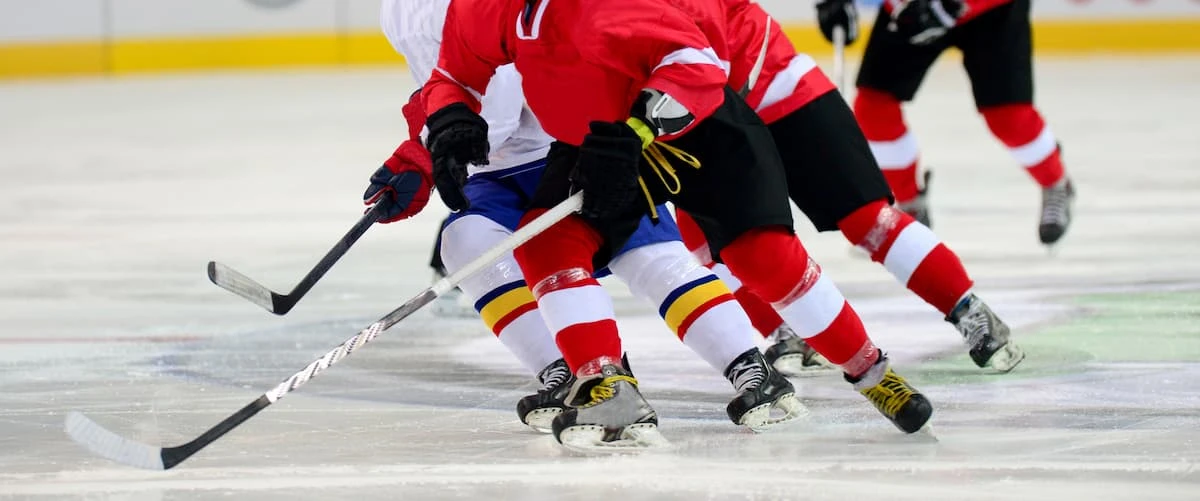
point(414, 28)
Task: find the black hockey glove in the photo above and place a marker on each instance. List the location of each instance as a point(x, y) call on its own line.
point(834, 13)
point(607, 170)
point(924, 21)
point(457, 137)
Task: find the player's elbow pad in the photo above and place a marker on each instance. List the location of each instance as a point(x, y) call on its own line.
point(662, 113)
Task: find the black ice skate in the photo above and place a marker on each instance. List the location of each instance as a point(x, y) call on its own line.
point(1056, 211)
point(607, 414)
point(760, 390)
point(539, 410)
point(792, 357)
point(987, 337)
point(918, 207)
point(902, 404)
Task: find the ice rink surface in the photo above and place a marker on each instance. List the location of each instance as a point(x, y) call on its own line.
point(114, 193)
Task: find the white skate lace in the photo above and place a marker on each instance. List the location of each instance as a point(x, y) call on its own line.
point(555, 376)
point(1055, 202)
point(974, 326)
point(747, 375)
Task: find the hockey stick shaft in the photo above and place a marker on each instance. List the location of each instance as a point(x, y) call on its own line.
point(231, 280)
point(839, 59)
point(112, 446)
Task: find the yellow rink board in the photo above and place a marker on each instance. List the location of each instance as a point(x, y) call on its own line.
point(89, 57)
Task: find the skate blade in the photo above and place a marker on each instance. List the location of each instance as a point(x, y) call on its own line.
point(541, 419)
point(793, 366)
point(1006, 358)
point(786, 408)
point(635, 438)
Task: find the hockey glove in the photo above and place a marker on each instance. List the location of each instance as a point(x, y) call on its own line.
point(607, 170)
point(457, 137)
point(404, 181)
point(834, 13)
point(414, 114)
point(924, 21)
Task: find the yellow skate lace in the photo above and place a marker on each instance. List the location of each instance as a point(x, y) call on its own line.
point(889, 395)
point(605, 389)
point(655, 154)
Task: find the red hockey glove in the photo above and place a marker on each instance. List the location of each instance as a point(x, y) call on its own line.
point(404, 180)
point(924, 21)
point(414, 114)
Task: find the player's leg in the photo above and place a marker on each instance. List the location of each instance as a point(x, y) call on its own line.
point(702, 311)
point(891, 72)
point(500, 294)
point(834, 180)
point(739, 198)
point(449, 304)
point(607, 410)
point(786, 352)
point(997, 54)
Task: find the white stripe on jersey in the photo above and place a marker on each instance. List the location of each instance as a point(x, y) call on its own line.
point(414, 27)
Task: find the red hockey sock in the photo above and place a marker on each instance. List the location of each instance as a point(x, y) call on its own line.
point(773, 264)
point(762, 315)
point(882, 121)
point(910, 251)
point(558, 265)
point(1029, 140)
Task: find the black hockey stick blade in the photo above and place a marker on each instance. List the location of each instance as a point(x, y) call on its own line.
point(233, 281)
point(105, 443)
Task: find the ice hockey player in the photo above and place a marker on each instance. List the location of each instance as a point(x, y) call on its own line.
point(995, 40)
point(835, 181)
point(653, 263)
point(634, 92)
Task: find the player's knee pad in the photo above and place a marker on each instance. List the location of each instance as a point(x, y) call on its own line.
point(569, 245)
point(879, 115)
point(1013, 124)
point(770, 261)
point(654, 271)
point(467, 238)
point(874, 227)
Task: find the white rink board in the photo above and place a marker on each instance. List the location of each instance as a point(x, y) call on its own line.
point(49, 20)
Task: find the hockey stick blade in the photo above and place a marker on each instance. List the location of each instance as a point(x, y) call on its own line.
point(105, 443)
point(233, 281)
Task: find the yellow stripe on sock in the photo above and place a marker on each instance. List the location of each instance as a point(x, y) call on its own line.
point(692, 300)
point(498, 309)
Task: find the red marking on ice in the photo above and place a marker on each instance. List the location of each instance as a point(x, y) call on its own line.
point(182, 338)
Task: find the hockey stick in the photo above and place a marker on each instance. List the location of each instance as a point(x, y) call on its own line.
point(839, 59)
point(233, 281)
point(122, 450)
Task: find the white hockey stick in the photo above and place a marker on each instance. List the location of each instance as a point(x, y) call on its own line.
point(122, 450)
point(839, 59)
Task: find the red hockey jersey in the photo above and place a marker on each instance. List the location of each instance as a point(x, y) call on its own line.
point(974, 7)
point(584, 60)
point(787, 80)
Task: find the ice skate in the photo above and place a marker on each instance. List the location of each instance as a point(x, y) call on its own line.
point(902, 404)
point(987, 336)
point(607, 413)
point(918, 207)
point(451, 304)
point(792, 357)
point(1056, 211)
point(765, 398)
point(539, 410)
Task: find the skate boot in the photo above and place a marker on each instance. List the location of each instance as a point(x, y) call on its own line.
point(902, 404)
point(918, 207)
point(451, 304)
point(986, 335)
point(1056, 211)
point(760, 389)
point(791, 356)
point(539, 410)
point(607, 413)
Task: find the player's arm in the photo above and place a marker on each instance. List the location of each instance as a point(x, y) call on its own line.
point(472, 49)
point(653, 42)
